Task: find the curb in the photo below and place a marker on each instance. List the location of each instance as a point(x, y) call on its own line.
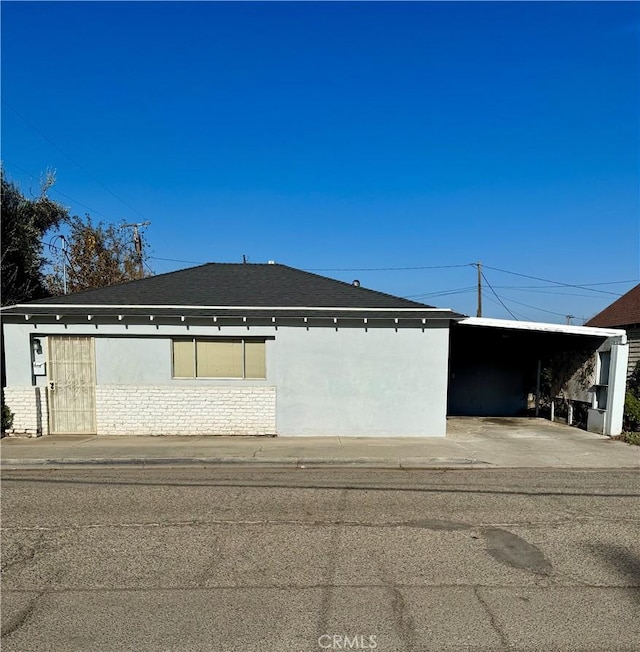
point(140, 461)
point(302, 462)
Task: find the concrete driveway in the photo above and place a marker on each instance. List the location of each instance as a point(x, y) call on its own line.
point(531, 442)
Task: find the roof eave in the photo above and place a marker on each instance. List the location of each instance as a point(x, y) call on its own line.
point(231, 313)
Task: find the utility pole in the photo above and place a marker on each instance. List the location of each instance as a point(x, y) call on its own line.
point(569, 318)
point(137, 243)
point(479, 266)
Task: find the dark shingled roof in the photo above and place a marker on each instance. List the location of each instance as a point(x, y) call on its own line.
point(622, 312)
point(251, 285)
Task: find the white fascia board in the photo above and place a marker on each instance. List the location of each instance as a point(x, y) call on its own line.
point(59, 306)
point(549, 328)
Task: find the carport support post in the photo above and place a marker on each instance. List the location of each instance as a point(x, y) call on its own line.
point(538, 387)
point(616, 390)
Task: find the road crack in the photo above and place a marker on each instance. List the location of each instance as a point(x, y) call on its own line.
point(403, 621)
point(21, 617)
point(332, 565)
point(504, 641)
point(429, 524)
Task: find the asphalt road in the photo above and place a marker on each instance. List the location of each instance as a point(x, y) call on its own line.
point(237, 559)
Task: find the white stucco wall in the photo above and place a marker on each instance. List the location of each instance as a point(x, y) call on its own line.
point(362, 382)
point(133, 360)
point(17, 353)
point(617, 388)
point(349, 381)
point(608, 421)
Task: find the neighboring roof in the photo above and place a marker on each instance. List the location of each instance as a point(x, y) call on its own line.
point(235, 289)
point(540, 326)
point(622, 312)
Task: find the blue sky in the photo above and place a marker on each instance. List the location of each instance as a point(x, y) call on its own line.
point(346, 136)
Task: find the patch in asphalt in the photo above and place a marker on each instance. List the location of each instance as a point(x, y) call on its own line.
point(512, 550)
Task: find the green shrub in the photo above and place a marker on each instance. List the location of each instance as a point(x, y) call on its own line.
point(630, 438)
point(631, 418)
point(633, 384)
point(7, 417)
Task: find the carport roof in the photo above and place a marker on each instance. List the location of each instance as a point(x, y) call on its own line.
point(568, 329)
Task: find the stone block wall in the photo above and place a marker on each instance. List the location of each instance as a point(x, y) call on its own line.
point(30, 410)
point(189, 410)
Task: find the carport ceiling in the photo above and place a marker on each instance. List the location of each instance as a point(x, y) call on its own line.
point(489, 341)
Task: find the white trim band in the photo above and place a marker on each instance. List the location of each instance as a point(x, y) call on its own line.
point(34, 307)
point(541, 326)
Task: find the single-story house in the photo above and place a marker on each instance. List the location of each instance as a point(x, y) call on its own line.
point(263, 349)
point(624, 313)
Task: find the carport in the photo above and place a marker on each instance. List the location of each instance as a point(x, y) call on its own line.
point(503, 368)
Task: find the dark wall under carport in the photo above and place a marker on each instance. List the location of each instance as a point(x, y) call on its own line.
point(492, 370)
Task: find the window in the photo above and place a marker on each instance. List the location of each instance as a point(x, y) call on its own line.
point(228, 358)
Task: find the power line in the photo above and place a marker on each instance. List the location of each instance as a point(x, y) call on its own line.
point(515, 312)
point(562, 294)
point(579, 285)
point(175, 260)
point(560, 314)
point(382, 269)
point(517, 288)
point(585, 286)
point(546, 280)
point(81, 167)
point(496, 295)
point(497, 287)
point(469, 289)
point(442, 293)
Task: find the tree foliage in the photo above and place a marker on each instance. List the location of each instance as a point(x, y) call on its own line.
point(24, 224)
point(97, 254)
